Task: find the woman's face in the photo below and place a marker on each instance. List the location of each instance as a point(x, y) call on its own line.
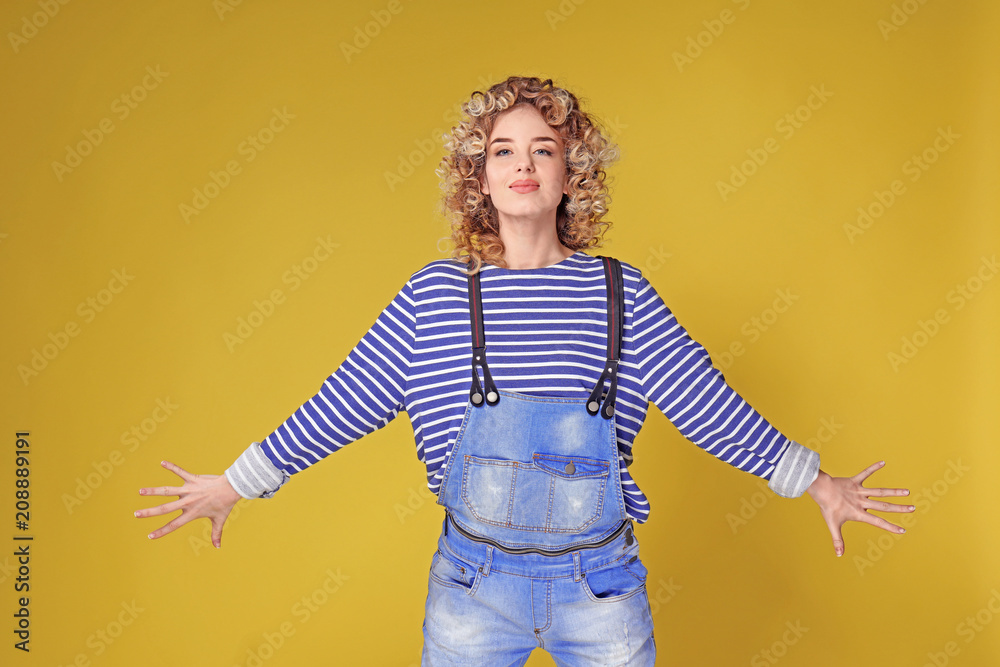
point(522, 149)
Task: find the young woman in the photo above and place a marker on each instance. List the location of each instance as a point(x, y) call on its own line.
point(529, 456)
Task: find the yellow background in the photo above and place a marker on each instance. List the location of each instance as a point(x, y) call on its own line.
point(724, 592)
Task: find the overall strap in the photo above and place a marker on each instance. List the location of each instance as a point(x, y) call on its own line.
point(479, 347)
point(616, 327)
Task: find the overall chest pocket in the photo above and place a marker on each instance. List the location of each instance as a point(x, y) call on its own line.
point(552, 493)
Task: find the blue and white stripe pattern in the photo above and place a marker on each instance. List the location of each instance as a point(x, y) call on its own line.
point(546, 336)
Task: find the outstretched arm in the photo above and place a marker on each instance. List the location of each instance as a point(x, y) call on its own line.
point(679, 378)
point(362, 395)
point(843, 499)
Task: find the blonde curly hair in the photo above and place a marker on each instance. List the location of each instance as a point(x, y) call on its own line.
point(474, 223)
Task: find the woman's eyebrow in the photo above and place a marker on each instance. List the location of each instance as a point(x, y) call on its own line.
point(499, 139)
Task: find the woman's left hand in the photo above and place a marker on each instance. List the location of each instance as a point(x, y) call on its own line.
point(843, 499)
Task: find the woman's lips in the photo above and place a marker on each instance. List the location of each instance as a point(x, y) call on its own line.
point(524, 186)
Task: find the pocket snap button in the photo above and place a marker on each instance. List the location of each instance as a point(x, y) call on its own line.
point(570, 468)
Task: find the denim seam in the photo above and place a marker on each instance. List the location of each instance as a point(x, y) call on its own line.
point(548, 508)
point(510, 496)
point(617, 598)
point(603, 472)
point(542, 399)
point(448, 584)
point(616, 559)
point(476, 581)
point(446, 466)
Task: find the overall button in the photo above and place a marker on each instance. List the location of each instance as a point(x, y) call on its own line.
point(570, 468)
point(628, 536)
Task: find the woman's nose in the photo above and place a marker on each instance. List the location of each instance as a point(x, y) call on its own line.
point(524, 163)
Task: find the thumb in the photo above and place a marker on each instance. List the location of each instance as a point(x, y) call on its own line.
point(838, 540)
point(217, 532)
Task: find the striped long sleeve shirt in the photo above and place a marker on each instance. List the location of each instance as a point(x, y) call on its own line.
point(546, 334)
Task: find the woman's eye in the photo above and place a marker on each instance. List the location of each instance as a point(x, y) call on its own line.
point(544, 150)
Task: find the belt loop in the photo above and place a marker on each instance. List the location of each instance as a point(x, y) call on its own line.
point(577, 570)
point(489, 561)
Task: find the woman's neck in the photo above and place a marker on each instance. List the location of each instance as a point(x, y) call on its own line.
point(531, 246)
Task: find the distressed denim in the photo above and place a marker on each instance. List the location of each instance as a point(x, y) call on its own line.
point(536, 472)
point(486, 607)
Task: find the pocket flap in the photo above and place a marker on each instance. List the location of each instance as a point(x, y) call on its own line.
point(570, 467)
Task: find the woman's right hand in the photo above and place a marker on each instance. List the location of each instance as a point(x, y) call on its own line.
point(209, 496)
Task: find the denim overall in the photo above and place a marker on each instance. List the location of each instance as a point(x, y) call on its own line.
point(536, 548)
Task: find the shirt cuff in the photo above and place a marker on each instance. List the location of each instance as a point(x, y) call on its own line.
point(253, 475)
point(797, 469)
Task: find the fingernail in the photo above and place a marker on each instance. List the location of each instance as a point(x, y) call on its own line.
point(911, 508)
point(881, 463)
point(150, 536)
point(902, 530)
point(906, 492)
point(136, 513)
